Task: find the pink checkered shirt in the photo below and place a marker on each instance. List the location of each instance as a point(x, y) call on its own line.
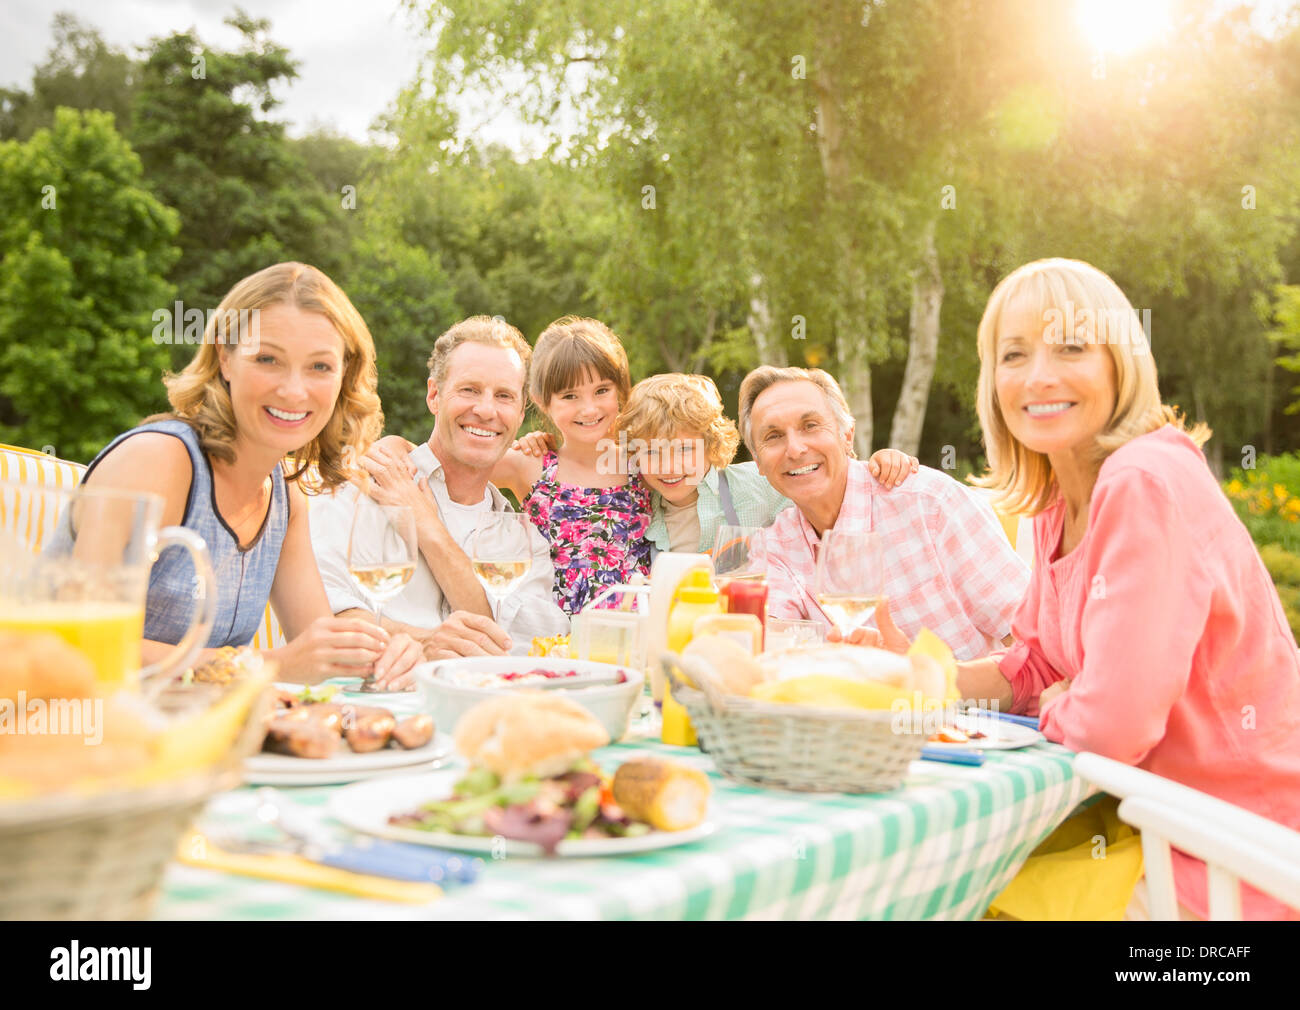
point(948, 565)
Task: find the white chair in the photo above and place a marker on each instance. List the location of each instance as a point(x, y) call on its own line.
point(1235, 844)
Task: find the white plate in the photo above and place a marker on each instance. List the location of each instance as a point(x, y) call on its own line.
point(345, 762)
point(1000, 734)
point(310, 778)
point(367, 806)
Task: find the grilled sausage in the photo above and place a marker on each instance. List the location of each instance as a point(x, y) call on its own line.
point(301, 738)
point(415, 731)
point(367, 728)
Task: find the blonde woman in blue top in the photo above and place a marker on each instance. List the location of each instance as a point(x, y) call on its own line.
point(674, 432)
point(286, 372)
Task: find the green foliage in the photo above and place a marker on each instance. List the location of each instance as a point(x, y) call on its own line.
point(245, 196)
point(404, 296)
point(1266, 498)
point(77, 360)
point(81, 72)
point(1286, 333)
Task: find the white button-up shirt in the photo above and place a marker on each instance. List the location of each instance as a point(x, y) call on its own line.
point(528, 612)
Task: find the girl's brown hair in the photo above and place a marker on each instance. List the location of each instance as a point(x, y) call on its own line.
point(568, 350)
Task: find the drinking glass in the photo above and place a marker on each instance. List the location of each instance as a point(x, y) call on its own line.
point(850, 577)
point(739, 553)
point(502, 552)
point(382, 551)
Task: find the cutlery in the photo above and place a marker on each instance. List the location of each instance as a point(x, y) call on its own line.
point(953, 757)
point(373, 856)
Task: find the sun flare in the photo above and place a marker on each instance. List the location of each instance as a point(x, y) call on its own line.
point(1121, 26)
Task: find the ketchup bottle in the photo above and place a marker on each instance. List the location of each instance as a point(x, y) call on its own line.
point(746, 596)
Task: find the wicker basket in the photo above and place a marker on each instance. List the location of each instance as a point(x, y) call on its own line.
point(793, 747)
point(102, 856)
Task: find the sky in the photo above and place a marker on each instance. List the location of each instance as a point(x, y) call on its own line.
point(353, 56)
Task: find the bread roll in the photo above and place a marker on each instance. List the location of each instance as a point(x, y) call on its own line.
point(734, 670)
point(532, 733)
point(43, 665)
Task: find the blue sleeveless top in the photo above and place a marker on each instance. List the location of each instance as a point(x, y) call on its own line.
point(243, 577)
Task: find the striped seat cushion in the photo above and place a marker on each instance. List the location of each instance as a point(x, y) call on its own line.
point(30, 515)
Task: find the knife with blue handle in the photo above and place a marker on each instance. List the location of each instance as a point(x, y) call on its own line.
point(399, 861)
point(953, 757)
point(1021, 720)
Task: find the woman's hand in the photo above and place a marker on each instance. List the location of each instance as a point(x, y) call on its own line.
point(332, 647)
point(535, 443)
point(891, 467)
point(1060, 687)
point(393, 670)
point(887, 637)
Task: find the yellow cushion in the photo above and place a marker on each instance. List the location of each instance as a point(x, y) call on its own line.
point(27, 512)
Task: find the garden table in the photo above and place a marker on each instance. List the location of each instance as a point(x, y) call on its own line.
point(941, 847)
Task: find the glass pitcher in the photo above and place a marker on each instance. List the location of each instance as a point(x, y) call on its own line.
point(75, 562)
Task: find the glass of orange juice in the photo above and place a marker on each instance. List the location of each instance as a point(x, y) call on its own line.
point(74, 562)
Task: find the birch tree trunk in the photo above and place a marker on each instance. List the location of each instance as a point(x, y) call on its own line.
point(922, 348)
point(854, 371)
point(771, 350)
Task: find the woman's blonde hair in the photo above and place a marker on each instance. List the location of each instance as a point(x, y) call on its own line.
point(765, 377)
point(1068, 295)
point(663, 405)
point(570, 348)
point(200, 396)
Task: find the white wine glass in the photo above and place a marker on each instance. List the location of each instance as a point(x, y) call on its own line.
point(850, 577)
point(382, 551)
point(502, 552)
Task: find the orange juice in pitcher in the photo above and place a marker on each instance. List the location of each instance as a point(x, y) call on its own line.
point(108, 633)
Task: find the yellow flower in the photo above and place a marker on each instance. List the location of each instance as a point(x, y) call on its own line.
point(1279, 492)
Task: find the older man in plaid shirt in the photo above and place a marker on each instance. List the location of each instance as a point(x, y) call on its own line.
point(948, 566)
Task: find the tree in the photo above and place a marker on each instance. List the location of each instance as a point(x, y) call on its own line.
point(78, 362)
point(245, 197)
point(81, 72)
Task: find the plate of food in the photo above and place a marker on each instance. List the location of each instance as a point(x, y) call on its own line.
point(982, 731)
point(313, 740)
point(532, 789)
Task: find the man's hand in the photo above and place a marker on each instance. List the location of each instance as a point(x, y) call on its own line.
point(887, 637)
point(465, 634)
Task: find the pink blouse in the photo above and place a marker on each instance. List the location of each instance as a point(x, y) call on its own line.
point(1180, 657)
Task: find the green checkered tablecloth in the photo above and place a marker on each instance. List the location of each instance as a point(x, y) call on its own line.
point(941, 847)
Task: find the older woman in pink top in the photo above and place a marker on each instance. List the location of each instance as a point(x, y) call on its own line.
point(1151, 632)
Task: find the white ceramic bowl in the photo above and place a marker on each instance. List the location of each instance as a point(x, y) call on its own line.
point(447, 700)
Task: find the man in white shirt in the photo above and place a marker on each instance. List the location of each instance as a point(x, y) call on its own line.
point(477, 375)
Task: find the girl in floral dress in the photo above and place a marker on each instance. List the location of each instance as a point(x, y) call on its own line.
point(580, 496)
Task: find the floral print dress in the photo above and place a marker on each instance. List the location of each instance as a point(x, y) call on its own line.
point(597, 535)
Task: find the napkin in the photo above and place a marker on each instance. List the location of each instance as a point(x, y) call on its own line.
point(196, 850)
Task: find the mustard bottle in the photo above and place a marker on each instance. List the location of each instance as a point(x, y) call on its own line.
point(695, 599)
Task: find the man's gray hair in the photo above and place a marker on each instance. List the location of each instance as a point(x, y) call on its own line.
point(766, 376)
